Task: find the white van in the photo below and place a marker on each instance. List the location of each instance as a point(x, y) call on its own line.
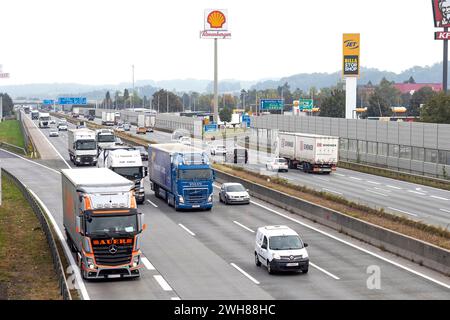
point(280, 248)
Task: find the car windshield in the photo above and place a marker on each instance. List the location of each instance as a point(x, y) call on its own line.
point(281, 160)
point(86, 145)
point(106, 138)
point(285, 243)
point(118, 224)
point(129, 172)
point(195, 174)
point(235, 188)
point(220, 147)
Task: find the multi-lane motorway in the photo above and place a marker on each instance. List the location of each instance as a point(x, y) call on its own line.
point(209, 255)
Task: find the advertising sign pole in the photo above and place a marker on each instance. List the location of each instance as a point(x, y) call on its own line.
point(216, 97)
point(445, 64)
point(350, 70)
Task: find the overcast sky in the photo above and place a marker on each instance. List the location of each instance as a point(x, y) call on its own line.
point(97, 41)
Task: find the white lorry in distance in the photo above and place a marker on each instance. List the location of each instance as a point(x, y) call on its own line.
point(44, 120)
point(309, 152)
point(105, 138)
point(82, 146)
point(127, 162)
point(108, 118)
point(102, 224)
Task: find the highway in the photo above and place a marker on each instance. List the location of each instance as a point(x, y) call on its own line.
point(209, 255)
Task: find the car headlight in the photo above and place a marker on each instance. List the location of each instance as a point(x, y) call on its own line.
point(275, 255)
point(210, 198)
point(90, 263)
point(181, 199)
point(78, 158)
point(135, 261)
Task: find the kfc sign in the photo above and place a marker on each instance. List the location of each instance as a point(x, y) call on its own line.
point(441, 11)
point(442, 35)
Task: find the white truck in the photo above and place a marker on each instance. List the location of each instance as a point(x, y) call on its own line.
point(75, 112)
point(82, 146)
point(108, 118)
point(105, 138)
point(145, 123)
point(309, 152)
point(44, 120)
point(102, 224)
point(127, 162)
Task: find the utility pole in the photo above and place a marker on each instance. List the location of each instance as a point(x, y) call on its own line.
point(132, 94)
point(1, 107)
point(167, 101)
point(158, 102)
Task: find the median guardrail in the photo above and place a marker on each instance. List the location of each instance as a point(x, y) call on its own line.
point(418, 251)
point(57, 264)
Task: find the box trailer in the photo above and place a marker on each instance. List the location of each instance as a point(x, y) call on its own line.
point(108, 118)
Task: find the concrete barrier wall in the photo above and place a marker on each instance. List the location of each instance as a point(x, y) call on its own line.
point(412, 249)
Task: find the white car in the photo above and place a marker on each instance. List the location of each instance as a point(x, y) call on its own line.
point(218, 149)
point(233, 193)
point(53, 133)
point(62, 127)
point(280, 248)
point(277, 164)
point(120, 128)
point(185, 140)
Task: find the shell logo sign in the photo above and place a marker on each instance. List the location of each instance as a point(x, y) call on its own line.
point(216, 20)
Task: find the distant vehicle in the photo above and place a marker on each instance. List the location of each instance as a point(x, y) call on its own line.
point(34, 115)
point(90, 118)
point(181, 175)
point(144, 153)
point(44, 120)
point(75, 112)
point(108, 118)
point(81, 125)
point(119, 141)
point(185, 140)
point(102, 224)
point(277, 164)
point(233, 193)
point(219, 149)
point(126, 127)
point(82, 146)
point(309, 152)
point(237, 155)
point(53, 133)
point(52, 121)
point(141, 130)
point(280, 248)
point(120, 128)
point(62, 127)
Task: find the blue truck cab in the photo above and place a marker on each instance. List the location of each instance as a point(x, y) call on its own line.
point(181, 175)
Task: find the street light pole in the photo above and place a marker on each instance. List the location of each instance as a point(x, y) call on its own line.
point(132, 94)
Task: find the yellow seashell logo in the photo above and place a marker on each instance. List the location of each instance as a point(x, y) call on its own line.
point(216, 19)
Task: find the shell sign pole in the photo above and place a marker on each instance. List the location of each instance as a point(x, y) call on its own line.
point(350, 70)
point(441, 15)
point(215, 27)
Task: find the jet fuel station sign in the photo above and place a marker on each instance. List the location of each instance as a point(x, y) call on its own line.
point(351, 63)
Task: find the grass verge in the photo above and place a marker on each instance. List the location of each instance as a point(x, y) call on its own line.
point(26, 267)
point(416, 229)
point(10, 133)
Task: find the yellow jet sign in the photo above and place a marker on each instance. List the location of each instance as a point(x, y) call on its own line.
point(351, 63)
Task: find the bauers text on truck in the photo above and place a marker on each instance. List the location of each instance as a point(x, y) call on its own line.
point(181, 175)
point(102, 224)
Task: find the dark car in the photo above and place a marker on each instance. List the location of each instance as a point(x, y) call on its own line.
point(91, 118)
point(144, 153)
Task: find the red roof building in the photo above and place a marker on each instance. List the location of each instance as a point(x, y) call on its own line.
point(413, 87)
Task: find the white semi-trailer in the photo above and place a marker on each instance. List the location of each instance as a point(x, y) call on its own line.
point(82, 146)
point(44, 120)
point(309, 152)
point(127, 162)
point(102, 224)
point(108, 118)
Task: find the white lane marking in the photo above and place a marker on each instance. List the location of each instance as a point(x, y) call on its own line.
point(448, 211)
point(355, 178)
point(59, 154)
point(416, 192)
point(381, 189)
point(393, 187)
point(187, 230)
point(373, 182)
point(147, 263)
point(324, 271)
point(153, 204)
point(353, 246)
point(323, 179)
point(245, 273)
point(378, 193)
point(339, 174)
point(63, 242)
point(440, 198)
point(332, 191)
point(162, 282)
point(28, 160)
point(175, 298)
point(402, 211)
point(242, 226)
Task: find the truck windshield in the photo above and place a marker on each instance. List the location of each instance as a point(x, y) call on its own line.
point(44, 118)
point(194, 174)
point(86, 145)
point(114, 224)
point(130, 173)
point(106, 138)
point(285, 243)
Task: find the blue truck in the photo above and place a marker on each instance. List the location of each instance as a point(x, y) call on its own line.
point(181, 175)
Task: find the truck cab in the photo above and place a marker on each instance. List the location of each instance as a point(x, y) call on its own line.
point(82, 146)
point(105, 138)
point(44, 120)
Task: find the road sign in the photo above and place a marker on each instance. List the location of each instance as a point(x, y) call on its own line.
point(212, 127)
point(246, 120)
point(271, 104)
point(306, 104)
point(48, 102)
point(72, 100)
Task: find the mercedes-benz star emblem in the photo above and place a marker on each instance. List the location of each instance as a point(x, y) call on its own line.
point(112, 249)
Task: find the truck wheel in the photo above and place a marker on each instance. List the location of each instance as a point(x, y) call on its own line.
point(156, 190)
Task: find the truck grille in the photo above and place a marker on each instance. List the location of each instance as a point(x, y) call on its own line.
point(195, 196)
point(86, 158)
point(104, 256)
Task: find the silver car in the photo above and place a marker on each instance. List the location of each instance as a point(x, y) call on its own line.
point(233, 193)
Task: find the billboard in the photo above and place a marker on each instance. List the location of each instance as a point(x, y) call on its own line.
point(441, 13)
point(271, 104)
point(351, 50)
point(216, 20)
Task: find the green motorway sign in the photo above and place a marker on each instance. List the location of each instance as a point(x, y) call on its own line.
point(306, 104)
